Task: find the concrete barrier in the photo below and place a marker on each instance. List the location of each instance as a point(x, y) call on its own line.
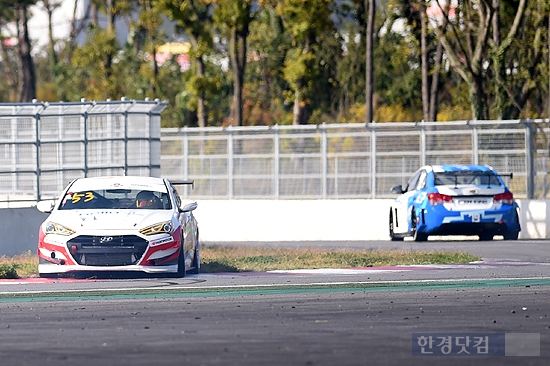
point(19, 230)
point(272, 220)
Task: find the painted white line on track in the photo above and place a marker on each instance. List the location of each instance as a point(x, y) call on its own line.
point(337, 271)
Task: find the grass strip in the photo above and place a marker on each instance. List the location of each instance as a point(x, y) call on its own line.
point(217, 258)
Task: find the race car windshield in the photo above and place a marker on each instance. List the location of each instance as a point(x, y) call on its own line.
point(467, 178)
point(116, 199)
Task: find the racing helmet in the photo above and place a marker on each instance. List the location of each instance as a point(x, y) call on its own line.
point(147, 199)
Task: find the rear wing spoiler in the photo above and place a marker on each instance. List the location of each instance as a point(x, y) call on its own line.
point(183, 182)
point(456, 174)
point(473, 173)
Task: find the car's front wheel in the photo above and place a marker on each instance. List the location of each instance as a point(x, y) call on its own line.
point(181, 264)
point(393, 237)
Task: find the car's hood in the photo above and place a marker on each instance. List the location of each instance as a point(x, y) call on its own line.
point(470, 190)
point(109, 219)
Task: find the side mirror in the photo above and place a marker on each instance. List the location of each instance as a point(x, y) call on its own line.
point(189, 207)
point(45, 206)
point(397, 189)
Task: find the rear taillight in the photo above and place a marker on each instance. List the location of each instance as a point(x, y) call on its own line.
point(506, 198)
point(438, 198)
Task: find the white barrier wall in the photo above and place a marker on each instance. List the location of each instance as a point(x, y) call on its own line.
point(290, 220)
point(272, 220)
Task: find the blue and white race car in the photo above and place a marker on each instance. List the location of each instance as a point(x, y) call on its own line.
point(454, 200)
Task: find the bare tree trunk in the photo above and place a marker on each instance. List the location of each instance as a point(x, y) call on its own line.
point(77, 26)
point(425, 65)
point(434, 92)
point(201, 105)
point(300, 112)
point(108, 63)
point(499, 66)
point(9, 72)
point(52, 55)
point(27, 76)
point(150, 35)
point(238, 62)
point(370, 6)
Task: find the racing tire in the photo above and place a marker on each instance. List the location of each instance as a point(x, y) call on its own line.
point(511, 235)
point(392, 235)
point(196, 259)
point(415, 234)
point(486, 237)
point(181, 264)
point(420, 236)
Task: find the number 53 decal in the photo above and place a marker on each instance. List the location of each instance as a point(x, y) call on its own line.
point(88, 196)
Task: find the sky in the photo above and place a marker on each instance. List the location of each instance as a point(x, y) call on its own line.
point(38, 24)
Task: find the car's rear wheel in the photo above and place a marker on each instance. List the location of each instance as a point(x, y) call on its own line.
point(417, 236)
point(511, 235)
point(196, 259)
point(392, 234)
point(486, 237)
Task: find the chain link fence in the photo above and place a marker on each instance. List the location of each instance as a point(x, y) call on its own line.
point(43, 146)
point(349, 160)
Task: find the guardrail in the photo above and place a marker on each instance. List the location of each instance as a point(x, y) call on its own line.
point(343, 161)
point(45, 145)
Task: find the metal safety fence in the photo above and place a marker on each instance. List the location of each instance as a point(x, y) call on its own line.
point(350, 160)
point(45, 145)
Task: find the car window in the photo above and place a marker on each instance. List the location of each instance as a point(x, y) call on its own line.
point(467, 178)
point(411, 186)
point(177, 197)
point(116, 199)
point(421, 180)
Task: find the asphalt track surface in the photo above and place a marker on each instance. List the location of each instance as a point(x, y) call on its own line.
point(338, 317)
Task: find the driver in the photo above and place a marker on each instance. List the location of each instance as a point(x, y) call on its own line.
point(147, 199)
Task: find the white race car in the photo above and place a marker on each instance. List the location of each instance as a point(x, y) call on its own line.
point(119, 224)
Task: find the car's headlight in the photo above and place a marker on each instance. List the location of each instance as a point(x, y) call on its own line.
point(54, 228)
point(161, 227)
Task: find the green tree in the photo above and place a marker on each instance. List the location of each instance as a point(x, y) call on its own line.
point(467, 45)
point(21, 75)
point(264, 82)
point(234, 17)
point(517, 55)
point(305, 21)
point(195, 18)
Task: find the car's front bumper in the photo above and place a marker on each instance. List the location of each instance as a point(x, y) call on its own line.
point(50, 268)
point(123, 253)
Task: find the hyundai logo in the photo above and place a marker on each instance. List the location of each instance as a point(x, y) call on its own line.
point(106, 239)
